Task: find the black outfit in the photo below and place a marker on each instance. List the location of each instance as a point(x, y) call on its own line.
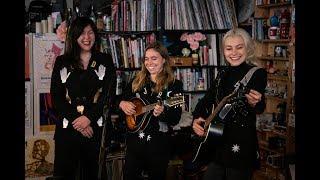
point(151, 152)
point(82, 88)
point(237, 154)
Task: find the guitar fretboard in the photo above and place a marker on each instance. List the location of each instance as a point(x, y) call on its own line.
point(216, 110)
point(148, 107)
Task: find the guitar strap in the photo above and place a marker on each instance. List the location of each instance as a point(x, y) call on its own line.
point(244, 81)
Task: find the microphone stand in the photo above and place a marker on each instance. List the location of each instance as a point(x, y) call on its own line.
point(106, 116)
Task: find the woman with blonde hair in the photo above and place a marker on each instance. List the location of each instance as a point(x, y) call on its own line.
point(236, 155)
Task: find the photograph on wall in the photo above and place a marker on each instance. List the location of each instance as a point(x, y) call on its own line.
point(39, 157)
point(46, 48)
point(45, 116)
point(28, 110)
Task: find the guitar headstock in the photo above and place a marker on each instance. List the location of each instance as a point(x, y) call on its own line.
point(175, 100)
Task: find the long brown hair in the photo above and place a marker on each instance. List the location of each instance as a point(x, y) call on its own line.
point(165, 77)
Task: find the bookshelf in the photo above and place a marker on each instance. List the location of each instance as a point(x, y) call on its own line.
point(275, 52)
point(134, 24)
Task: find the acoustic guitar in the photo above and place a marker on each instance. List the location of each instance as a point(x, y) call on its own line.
point(140, 120)
point(214, 124)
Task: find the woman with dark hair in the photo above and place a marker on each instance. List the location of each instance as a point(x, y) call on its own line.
point(148, 148)
point(82, 81)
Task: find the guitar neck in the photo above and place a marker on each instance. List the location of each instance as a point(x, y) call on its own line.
point(148, 107)
point(216, 110)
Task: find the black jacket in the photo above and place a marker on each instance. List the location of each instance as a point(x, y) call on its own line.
point(239, 145)
point(82, 88)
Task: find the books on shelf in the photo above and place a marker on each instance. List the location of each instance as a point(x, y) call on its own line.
point(126, 52)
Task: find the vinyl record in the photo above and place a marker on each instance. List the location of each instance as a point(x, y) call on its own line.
point(245, 9)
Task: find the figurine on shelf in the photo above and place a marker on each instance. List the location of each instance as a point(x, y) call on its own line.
point(274, 21)
point(185, 52)
point(278, 51)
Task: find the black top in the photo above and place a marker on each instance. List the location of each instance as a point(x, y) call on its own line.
point(82, 88)
point(170, 116)
point(240, 146)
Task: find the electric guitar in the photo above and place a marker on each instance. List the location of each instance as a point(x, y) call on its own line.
point(141, 118)
point(214, 124)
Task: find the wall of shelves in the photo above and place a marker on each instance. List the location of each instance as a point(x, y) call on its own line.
point(126, 27)
point(276, 53)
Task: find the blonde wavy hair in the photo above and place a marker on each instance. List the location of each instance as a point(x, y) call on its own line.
point(248, 42)
point(164, 78)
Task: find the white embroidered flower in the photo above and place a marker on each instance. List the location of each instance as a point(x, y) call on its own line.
point(148, 138)
point(235, 148)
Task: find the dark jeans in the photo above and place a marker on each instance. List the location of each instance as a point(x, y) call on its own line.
point(150, 157)
point(76, 159)
point(219, 172)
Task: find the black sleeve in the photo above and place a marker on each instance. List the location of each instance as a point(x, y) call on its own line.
point(172, 115)
point(258, 82)
point(108, 88)
point(58, 94)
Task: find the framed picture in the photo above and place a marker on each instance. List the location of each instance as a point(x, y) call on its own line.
point(280, 51)
point(44, 114)
point(28, 108)
point(39, 157)
point(45, 49)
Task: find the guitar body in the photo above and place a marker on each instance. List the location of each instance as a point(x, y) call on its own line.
point(139, 120)
point(203, 145)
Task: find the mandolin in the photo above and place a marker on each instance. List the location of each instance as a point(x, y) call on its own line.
point(141, 118)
